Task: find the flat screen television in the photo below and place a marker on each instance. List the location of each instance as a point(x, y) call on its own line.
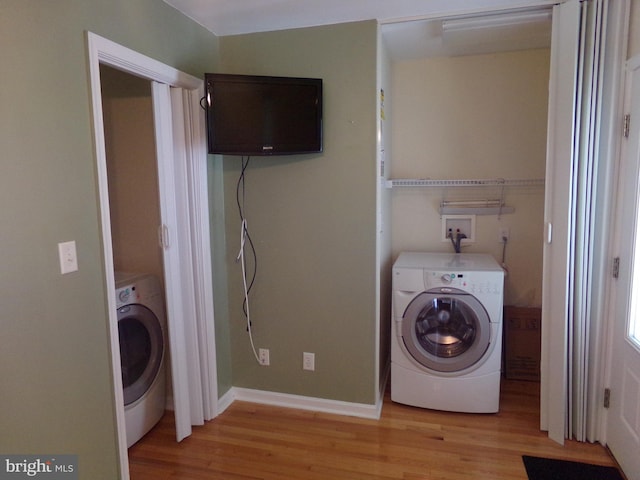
point(262, 115)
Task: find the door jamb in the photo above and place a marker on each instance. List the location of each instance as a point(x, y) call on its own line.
point(103, 51)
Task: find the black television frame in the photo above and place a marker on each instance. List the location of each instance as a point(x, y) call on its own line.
point(278, 116)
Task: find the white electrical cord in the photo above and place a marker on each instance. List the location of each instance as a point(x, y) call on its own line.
point(240, 258)
point(244, 238)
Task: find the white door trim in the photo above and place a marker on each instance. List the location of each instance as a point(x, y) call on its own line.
point(610, 148)
point(619, 426)
point(103, 51)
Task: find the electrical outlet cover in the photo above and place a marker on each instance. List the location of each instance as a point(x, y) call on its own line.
point(68, 257)
point(263, 355)
point(308, 361)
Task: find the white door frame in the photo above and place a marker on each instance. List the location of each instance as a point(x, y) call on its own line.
point(103, 51)
point(610, 148)
point(623, 233)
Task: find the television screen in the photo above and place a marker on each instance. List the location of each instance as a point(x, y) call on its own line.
point(260, 115)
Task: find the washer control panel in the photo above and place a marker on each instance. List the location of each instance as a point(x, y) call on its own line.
point(466, 281)
point(453, 279)
point(126, 295)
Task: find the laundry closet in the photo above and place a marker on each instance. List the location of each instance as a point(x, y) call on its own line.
point(137, 257)
point(469, 117)
point(468, 121)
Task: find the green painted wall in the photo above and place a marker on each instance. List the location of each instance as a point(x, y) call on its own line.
point(56, 391)
point(313, 222)
point(219, 267)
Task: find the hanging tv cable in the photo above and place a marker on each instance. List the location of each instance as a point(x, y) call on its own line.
point(245, 239)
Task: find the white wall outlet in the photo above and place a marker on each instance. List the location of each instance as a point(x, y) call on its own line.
point(263, 356)
point(308, 361)
point(68, 257)
point(503, 234)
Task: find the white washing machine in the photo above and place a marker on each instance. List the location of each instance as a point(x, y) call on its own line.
point(141, 328)
point(447, 331)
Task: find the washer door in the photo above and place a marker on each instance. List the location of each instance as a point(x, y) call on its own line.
point(446, 329)
point(141, 349)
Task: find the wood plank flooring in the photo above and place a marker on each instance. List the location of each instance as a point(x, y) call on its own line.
point(250, 441)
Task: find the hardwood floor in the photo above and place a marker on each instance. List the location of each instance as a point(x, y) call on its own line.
point(250, 441)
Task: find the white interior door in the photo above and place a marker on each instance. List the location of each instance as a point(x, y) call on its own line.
point(623, 421)
point(179, 144)
point(197, 314)
point(178, 307)
point(558, 205)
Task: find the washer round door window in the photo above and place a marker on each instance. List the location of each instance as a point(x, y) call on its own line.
point(141, 349)
point(446, 329)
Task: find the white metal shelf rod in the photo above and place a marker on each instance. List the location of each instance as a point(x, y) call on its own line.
point(410, 182)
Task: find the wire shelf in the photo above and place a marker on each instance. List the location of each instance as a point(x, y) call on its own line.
point(410, 182)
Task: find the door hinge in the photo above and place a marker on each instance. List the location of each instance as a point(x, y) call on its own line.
point(626, 125)
point(607, 397)
point(616, 267)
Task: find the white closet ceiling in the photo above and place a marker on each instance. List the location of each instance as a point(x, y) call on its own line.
point(411, 28)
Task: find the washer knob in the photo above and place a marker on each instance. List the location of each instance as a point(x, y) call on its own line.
point(123, 296)
point(447, 278)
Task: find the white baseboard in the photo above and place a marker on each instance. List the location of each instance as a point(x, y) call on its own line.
point(225, 400)
point(313, 404)
point(300, 402)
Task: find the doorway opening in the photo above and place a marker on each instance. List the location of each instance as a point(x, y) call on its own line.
point(132, 171)
point(469, 104)
point(180, 151)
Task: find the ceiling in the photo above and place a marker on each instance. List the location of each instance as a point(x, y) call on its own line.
point(411, 28)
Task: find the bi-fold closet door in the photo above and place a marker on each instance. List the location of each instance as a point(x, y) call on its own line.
point(587, 56)
point(179, 145)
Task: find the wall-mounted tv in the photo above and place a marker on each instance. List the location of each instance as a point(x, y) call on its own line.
point(261, 115)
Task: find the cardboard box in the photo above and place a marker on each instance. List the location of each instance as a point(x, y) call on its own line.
point(522, 343)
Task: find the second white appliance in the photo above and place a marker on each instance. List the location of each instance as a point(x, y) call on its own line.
point(141, 328)
point(447, 331)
